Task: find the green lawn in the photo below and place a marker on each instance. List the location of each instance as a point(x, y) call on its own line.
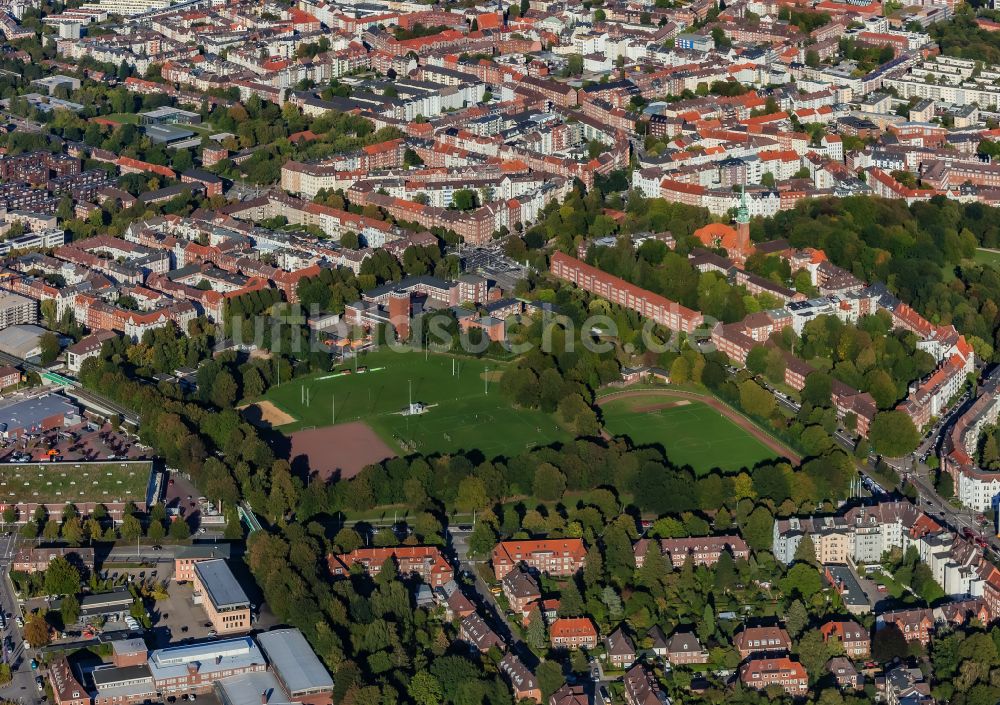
point(200, 129)
point(74, 482)
point(984, 256)
point(691, 434)
point(466, 413)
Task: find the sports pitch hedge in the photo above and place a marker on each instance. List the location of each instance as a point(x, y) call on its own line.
point(468, 413)
point(690, 433)
point(53, 483)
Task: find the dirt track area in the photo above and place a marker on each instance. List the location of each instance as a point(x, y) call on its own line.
point(266, 415)
point(738, 419)
point(660, 407)
point(338, 451)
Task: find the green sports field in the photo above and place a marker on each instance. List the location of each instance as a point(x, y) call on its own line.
point(465, 411)
point(690, 432)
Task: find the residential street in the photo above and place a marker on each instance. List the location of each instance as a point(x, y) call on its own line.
point(22, 688)
point(493, 613)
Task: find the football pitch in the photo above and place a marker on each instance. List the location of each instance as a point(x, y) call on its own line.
point(691, 433)
point(466, 409)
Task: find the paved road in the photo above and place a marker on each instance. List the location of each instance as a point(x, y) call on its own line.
point(22, 688)
point(494, 615)
point(917, 472)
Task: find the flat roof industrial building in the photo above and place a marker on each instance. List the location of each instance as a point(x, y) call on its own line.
point(37, 414)
point(295, 663)
point(221, 585)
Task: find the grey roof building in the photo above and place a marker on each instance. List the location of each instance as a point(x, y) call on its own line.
point(106, 602)
point(295, 663)
point(22, 340)
point(28, 415)
point(220, 585)
point(254, 688)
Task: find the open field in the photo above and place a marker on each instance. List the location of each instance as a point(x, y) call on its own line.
point(54, 483)
point(265, 414)
point(987, 256)
point(690, 431)
point(465, 410)
point(345, 449)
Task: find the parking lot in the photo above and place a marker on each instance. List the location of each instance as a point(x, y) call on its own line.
point(85, 441)
point(183, 496)
point(177, 618)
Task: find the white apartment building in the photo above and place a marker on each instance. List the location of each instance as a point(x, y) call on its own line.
point(17, 310)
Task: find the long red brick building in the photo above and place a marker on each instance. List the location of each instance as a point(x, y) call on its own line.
point(552, 556)
point(618, 291)
point(425, 561)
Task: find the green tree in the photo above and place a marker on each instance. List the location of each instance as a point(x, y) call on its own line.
point(706, 627)
point(570, 600)
point(759, 529)
point(350, 240)
point(796, 618)
point(72, 531)
point(805, 552)
point(70, 609)
point(482, 539)
point(36, 630)
point(813, 652)
point(425, 689)
point(654, 568)
point(224, 390)
point(550, 678)
point(50, 532)
point(889, 643)
point(549, 483)
point(893, 434)
point(155, 532)
point(817, 390)
point(471, 494)
point(347, 540)
point(50, 347)
point(535, 633)
point(61, 577)
point(179, 530)
point(131, 529)
point(464, 199)
point(726, 575)
point(756, 400)
point(802, 580)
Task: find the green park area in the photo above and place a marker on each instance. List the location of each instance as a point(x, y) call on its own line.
point(465, 407)
point(691, 433)
point(987, 256)
point(74, 482)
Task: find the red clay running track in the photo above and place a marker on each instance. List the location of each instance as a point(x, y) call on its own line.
point(737, 418)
